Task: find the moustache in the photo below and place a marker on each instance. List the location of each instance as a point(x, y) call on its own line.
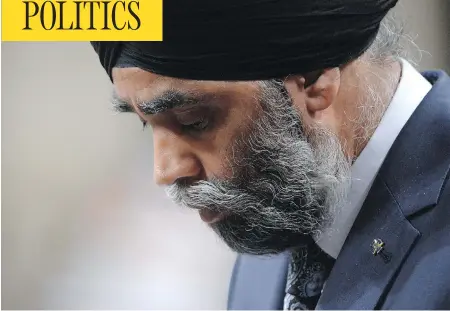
point(255, 206)
point(212, 195)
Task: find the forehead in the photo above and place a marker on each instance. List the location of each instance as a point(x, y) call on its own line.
point(136, 84)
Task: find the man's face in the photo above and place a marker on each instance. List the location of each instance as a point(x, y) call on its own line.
point(238, 153)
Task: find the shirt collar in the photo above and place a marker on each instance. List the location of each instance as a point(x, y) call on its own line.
point(411, 90)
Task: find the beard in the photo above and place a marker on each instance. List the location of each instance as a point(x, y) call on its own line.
point(286, 183)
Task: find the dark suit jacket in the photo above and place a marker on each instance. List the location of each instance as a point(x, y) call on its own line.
point(408, 207)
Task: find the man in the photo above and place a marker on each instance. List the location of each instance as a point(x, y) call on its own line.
point(305, 142)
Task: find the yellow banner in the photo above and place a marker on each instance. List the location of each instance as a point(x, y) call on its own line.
point(79, 20)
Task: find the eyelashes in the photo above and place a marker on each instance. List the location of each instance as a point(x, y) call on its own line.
point(194, 127)
point(197, 126)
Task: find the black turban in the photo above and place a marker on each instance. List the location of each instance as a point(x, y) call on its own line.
point(251, 39)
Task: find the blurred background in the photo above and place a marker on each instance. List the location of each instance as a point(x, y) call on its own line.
point(83, 225)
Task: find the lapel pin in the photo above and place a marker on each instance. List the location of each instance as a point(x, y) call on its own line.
point(379, 250)
point(377, 246)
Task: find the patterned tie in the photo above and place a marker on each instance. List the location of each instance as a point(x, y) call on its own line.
point(307, 272)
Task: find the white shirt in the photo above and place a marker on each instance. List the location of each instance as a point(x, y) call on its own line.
point(411, 90)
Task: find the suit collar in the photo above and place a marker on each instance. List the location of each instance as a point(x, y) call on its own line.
point(419, 160)
point(411, 91)
point(359, 279)
point(409, 181)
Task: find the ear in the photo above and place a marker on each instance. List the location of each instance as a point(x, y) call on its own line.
point(317, 96)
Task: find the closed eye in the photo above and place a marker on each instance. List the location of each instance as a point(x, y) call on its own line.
point(196, 126)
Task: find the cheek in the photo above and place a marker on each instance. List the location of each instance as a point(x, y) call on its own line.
point(217, 152)
point(220, 157)
point(218, 160)
point(217, 168)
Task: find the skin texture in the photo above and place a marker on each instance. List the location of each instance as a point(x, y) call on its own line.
point(266, 163)
point(178, 155)
point(189, 154)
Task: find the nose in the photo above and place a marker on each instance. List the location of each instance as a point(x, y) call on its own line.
point(173, 159)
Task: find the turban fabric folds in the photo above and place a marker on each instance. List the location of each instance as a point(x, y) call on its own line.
point(251, 39)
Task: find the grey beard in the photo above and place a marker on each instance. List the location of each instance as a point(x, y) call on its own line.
point(285, 185)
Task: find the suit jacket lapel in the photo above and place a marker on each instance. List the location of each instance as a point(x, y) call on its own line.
point(409, 182)
point(259, 282)
point(359, 278)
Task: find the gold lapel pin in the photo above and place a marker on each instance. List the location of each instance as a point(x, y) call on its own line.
point(378, 249)
point(377, 246)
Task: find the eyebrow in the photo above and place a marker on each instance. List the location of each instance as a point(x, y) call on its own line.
point(166, 101)
point(119, 104)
